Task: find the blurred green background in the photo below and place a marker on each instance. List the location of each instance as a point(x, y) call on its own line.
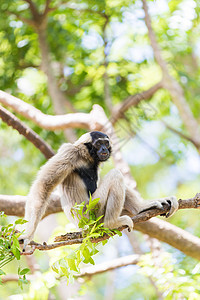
point(100, 54)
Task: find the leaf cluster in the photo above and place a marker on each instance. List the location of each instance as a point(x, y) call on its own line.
point(92, 227)
point(9, 247)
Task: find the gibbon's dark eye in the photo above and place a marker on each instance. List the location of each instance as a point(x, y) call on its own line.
point(107, 144)
point(98, 144)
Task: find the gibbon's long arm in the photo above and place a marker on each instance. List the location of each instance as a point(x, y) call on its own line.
point(49, 176)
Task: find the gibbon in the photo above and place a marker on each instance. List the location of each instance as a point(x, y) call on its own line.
point(75, 169)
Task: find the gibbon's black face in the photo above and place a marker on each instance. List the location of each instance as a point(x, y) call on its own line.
point(99, 148)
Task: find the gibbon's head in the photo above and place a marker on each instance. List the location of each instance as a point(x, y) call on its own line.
point(98, 145)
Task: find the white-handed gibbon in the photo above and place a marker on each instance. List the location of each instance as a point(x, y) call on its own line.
point(75, 169)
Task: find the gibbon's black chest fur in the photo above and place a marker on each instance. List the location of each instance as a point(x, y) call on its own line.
point(89, 176)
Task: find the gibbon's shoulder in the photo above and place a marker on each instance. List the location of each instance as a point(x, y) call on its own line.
point(74, 152)
point(64, 148)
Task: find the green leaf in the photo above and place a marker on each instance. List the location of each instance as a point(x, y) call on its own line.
point(92, 261)
point(99, 218)
point(20, 221)
point(94, 251)
point(104, 242)
point(72, 264)
point(15, 242)
point(117, 232)
point(86, 254)
point(16, 252)
point(78, 255)
point(72, 255)
point(24, 271)
point(92, 203)
point(65, 271)
point(94, 235)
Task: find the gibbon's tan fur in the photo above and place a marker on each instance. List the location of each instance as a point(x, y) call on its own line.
point(118, 203)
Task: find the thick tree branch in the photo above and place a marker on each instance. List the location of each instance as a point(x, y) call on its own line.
point(77, 120)
point(171, 234)
point(172, 85)
point(95, 120)
point(14, 205)
point(33, 137)
point(166, 232)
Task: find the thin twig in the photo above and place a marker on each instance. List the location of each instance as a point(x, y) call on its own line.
point(134, 100)
point(184, 136)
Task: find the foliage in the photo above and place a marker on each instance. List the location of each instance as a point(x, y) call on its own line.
point(82, 49)
point(91, 226)
point(10, 249)
point(171, 280)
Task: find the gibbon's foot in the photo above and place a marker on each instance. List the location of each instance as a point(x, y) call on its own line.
point(128, 221)
point(171, 203)
point(121, 221)
point(173, 206)
point(130, 225)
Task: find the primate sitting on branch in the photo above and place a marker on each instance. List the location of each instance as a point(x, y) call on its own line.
point(75, 169)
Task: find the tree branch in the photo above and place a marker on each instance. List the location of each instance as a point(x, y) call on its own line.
point(88, 271)
point(134, 100)
point(25, 20)
point(29, 134)
point(164, 231)
point(14, 277)
point(109, 265)
point(33, 9)
point(172, 235)
point(47, 8)
point(77, 120)
point(184, 136)
point(14, 205)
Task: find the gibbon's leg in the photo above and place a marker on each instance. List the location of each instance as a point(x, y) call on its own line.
point(111, 192)
point(134, 204)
